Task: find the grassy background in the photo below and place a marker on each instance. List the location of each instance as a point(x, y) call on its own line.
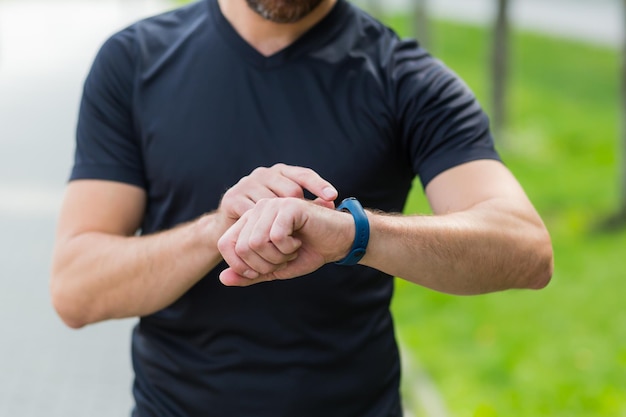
point(560, 351)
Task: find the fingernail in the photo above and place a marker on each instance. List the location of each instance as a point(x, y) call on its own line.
point(329, 192)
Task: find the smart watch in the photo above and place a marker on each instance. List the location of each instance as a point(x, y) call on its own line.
point(362, 231)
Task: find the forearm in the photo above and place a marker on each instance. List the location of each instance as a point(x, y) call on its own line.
point(99, 276)
point(487, 248)
point(485, 236)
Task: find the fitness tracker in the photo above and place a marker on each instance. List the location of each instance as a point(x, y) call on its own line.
point(362, 231)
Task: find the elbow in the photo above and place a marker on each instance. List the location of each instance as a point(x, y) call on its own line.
point(68, 307)
point(544, 275)
point(544, 264)
point(72, 324)
point(66, 310)
point(542, 278)
point(69, 319)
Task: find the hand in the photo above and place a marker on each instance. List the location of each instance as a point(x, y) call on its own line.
point(278, 181)
point(282, 238)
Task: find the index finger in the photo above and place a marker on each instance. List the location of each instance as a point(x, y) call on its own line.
point(309, 180)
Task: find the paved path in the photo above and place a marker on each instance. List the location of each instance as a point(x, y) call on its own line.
point(45, 50)
point(45, 368)
point(596, 21)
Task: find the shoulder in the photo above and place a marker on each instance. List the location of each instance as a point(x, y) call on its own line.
point(392, 59)
point(147, 41)
point(402, 62)
point(419, 79)
point(166, 29)
point(364, 33)
point(113, 68)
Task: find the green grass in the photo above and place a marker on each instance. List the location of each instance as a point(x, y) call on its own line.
point(560, 351)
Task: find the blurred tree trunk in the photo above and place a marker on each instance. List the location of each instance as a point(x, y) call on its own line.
point(618, 220)
point(622, 208)
point(421, 25)
point(500, 60)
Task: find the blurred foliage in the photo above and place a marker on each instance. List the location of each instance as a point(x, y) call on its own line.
point(560, 351)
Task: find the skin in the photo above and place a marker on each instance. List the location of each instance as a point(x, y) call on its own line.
point(266, 36)
point(484, 235)
point(283, 11)
point(101, 270)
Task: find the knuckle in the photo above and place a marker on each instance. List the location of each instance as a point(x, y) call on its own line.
point(293, 190)
point(236, 189)
point(227, 203)
point(242, 249)
point(242, 181)
point(264, 202)
point(222, 244)
point(258, 171)
point(228, 197)
point(277, 237)
point(241, 207)
point(306, 175)
point(256, 243)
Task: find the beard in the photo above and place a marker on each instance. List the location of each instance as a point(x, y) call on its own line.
point(283, 11)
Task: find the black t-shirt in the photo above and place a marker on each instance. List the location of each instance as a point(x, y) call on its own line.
point(183, 107)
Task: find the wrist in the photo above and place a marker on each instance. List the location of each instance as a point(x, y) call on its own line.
point(210, 227)
point(344, 237)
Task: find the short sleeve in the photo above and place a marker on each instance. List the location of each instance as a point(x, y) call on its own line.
point(440, 121)
point(107, 144)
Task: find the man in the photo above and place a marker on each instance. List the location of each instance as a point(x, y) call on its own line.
point(226, 130)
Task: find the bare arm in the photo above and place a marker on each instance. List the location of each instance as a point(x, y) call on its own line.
point(101, 270)
point(484, 236)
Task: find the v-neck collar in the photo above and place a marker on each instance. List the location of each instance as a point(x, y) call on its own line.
point(315, 36)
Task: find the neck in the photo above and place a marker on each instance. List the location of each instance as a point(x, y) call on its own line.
point(266, 36)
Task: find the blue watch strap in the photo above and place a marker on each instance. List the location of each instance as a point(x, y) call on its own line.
point(362, 231)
